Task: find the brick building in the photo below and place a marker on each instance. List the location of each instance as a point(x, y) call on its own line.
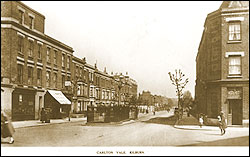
point(31, 61)
point(222, 63)
point(35, 69)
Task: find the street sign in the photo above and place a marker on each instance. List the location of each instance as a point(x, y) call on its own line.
point(67, 83)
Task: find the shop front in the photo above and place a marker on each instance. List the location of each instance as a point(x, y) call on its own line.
point(23, 104)
point(235, 103)
point(58, 103)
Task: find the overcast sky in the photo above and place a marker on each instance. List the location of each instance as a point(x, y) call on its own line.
point(146, 39)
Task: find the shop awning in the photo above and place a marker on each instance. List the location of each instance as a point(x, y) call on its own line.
point(59, 96)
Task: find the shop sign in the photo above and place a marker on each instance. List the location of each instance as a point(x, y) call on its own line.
point(234, 94)
point(67, 83)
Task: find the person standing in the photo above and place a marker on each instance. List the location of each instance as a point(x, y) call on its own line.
point(200, 120)
point(222, 123)
point(7, 129)
point(43, 119)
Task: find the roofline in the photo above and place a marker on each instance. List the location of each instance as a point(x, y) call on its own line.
point(30, 8)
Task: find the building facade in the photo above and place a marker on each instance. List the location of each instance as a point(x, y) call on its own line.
point(31, 61)
point(222, 63)
point(34, 66)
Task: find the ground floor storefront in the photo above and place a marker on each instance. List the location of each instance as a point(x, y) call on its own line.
point(25, 103)
point(230, 97)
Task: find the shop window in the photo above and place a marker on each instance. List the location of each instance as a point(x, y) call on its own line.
point(20, 99)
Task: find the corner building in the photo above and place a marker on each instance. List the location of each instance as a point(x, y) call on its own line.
point(31, 62)
point(222, 64)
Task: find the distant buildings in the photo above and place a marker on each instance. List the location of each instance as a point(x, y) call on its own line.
point(34, 65)
point(222, 63)
point(148, 100)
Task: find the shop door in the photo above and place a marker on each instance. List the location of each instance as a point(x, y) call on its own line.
point(236, 107)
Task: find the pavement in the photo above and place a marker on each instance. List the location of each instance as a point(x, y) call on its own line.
point(187, 123)
point(191, 123)
point(32, 123)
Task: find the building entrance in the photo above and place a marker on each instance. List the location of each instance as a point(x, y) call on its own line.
point(235, 111)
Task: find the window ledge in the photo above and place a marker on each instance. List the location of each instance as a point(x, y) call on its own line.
point(234, 42)
point(240, 76)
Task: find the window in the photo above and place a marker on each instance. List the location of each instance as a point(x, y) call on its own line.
point(55, 80)
point(31, 20)
point(103, 94)
point(39, 77)
point(97, 93)
point(107, 95)
point(55, 57)
point(20, 44)
point(48, 54)
point(47, 79)
point(78, 90)
point(81, 72)
point(63, 60)
point(30, 75)
point(234, 65)
point(20, 17)
point(20, 73)
point(39, 51)
point(68, 62)
point(31, 47)
point(85, 90)
point(91, 92)
point(234, 31)
point(63, 81)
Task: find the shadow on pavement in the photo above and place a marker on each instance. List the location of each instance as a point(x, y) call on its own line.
point(237, 141)
point(171, 121)
point(162, 120)
point(193, 129)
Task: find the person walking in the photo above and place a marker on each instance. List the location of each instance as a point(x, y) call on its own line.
point(7, 129)
point(201, 120)
point(222, 123)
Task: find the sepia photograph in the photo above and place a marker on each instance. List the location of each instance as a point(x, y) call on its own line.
point(124, 78)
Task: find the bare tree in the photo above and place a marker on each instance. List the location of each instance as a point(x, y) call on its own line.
point(179, 83)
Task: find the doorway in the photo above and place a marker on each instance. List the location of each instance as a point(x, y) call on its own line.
point(235, 109)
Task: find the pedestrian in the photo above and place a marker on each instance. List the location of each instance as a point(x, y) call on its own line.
point(176, 115)
point(43, 118)
point(222, 123)
point(69, 114)
point(201, 120)
point(7, 129)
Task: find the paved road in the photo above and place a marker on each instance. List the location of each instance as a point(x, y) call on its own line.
point(144, 132)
